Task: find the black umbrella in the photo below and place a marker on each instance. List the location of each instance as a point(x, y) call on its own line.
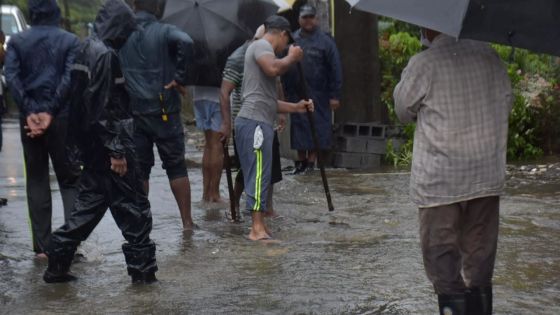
point(217, 27)
point(530, 24)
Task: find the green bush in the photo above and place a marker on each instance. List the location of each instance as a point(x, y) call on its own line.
point(395, 51)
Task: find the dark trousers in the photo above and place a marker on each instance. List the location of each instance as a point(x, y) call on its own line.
point(36, 153)
point(459, 244)
point(129, 205)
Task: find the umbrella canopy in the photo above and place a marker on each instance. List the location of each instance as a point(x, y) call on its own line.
point(530, 24)
point(217, 28)
point(284, 5)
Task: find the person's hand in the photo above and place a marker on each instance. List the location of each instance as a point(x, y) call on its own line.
point(295, 52)
point(225, 132)
point(178, 87)
point(335, 104)
point(304, 106)
point(119, 166)
point(33, 126)
point(281, 122)
point(46, 120)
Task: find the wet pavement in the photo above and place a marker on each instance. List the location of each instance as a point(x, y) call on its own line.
point(362, 259)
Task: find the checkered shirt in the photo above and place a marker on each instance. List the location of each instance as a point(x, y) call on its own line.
point(459, 94)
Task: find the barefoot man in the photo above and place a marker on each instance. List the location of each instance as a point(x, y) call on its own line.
point(254, 131)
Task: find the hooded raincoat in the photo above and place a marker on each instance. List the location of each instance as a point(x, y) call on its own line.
point(102, 120)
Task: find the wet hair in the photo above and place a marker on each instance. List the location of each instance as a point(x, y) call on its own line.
point(150, 6)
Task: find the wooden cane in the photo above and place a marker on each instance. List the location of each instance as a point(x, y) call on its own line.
point(305, 96)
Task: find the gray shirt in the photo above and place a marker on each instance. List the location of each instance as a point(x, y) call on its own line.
point(260, 98)
point(460, 96)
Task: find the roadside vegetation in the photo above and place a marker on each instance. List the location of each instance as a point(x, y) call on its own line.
point(534, 129)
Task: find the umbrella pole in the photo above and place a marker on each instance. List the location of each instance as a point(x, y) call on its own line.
point(227, 165)
point(315, 139)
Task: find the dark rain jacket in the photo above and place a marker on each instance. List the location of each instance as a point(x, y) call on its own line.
point(101, 124)
point(153, 56)
point(38, 61)
point(323, 73)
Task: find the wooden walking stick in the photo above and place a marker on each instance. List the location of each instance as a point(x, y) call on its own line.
point(227, 164)
point(305, 91)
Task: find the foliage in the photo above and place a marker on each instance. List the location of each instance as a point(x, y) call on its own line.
point(395, 51)
point(81, 12)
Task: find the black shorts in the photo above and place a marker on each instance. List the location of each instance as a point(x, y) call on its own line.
point(169, 138)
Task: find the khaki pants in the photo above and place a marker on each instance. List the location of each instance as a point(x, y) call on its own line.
point(459, 244)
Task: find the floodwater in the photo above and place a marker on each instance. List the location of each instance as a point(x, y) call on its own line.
point(364, 258)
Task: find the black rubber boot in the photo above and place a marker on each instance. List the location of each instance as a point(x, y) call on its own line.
point(143, 278)
point(452, 304)
point(300, 167)
point(479, 301)
point(58, 270)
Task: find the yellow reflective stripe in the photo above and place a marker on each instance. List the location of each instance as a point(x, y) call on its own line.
point(258, 181)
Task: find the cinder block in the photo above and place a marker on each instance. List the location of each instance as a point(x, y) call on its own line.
point(361, 130)
point(357, 160)
point(351, 144)
point(377, 146)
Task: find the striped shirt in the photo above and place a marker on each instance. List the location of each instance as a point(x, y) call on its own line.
point(233, 72)
point(460, 96)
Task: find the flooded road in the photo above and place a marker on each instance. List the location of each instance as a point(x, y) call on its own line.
point(362, 259)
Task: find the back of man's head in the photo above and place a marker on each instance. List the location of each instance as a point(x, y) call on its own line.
point(150, 6)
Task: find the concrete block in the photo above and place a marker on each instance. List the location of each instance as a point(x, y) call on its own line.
point(356, 160)
point(351, 144)
point(361, 130)
point(377, 146)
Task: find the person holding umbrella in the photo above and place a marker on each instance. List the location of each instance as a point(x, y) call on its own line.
point(154, 62)
point(254, 131)
point(459, 94)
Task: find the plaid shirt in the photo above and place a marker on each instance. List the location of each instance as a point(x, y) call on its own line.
point(460, 96)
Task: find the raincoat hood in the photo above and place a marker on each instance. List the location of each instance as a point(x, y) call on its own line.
point(44, 12)
point(115, 22)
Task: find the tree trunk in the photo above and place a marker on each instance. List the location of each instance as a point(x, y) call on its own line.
point(356, 36)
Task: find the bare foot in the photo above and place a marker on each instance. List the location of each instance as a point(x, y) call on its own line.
point(41, 256)
point(259, 236)
point(190, 226)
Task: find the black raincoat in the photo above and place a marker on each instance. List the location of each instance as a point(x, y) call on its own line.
point(102, 127)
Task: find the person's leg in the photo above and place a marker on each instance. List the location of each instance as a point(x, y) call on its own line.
point(311, 160)
point(181, 188)
point(440, 236)
point(172, 153)
point(203, 122)
point(131, 210)
point(36, 161)
point(215, 166)
point(67, 174)
point(256, 164)
point(144, 148)
point(478, 245)
point(89, 208)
